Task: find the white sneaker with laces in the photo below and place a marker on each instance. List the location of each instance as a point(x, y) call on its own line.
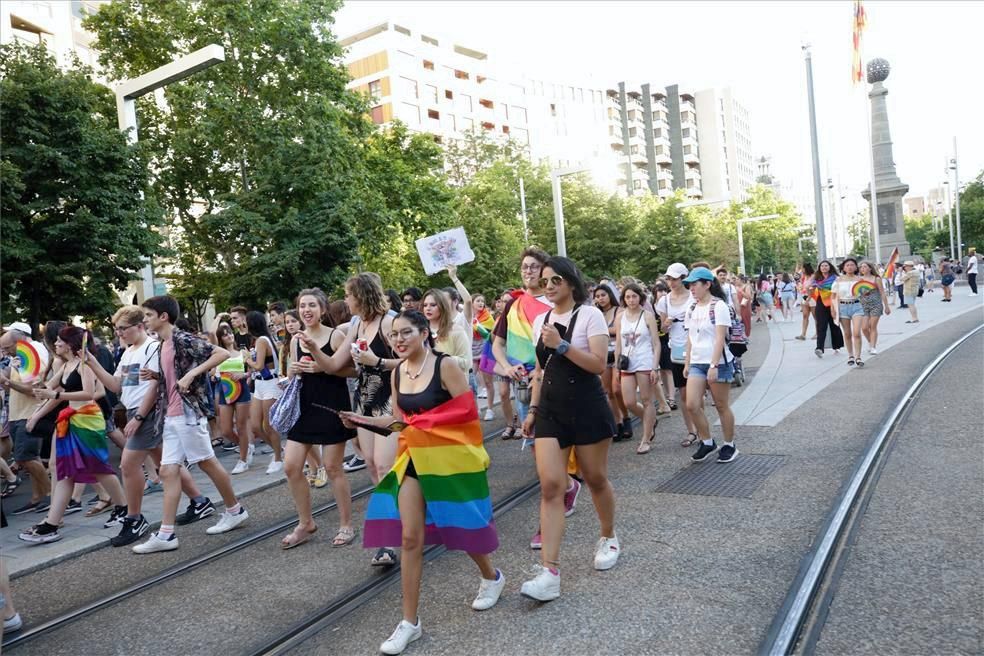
point(483, 394)
point(545, 587)
point(606, 553)
point(404, 634)
point(249, 455)
point(228, 521)
point(275, 467)
point(489, 415)
point(489, 591)
point(873, 351)
point(240, 468)
point(155, 544)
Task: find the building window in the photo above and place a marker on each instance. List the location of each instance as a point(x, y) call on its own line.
point(518, 114)
point(409, 114)
point(461, 75)
point(659, 150)
point(690, 183)
point(487, 104)
point(505, 129)
point(409, 87)
point(448, 94)
point(480, 79)
point(687, 150)
point(553, 109)
point(433, 114)
point(429, 65)
point(488, 126)
point(662, 184)
point(375, 88)
point(377, 114)
point(429, 39)
point(430, 94)
point(686, 132)
point(658, 133)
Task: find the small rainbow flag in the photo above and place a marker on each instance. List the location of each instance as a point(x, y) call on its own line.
point(232, 388)
point(448, 454)
point(482, 324)
point(893, 261)
point(28, 361)
point(863, 288)
point(860, 22)
point(519, 320)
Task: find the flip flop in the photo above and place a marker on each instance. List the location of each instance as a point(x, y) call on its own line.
point(344, 537)
point(287, 543)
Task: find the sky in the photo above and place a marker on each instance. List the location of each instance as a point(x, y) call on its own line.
point(935, 51)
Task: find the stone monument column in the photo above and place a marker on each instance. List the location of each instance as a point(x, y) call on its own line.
point(889, 190)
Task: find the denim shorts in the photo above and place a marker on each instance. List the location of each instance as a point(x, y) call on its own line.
point(726, 371)
point(848, 310)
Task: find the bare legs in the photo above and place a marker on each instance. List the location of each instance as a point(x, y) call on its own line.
point(606, 382)
point(63, 492)
point(259, 415)
point(507, 408)
point(643, 406)
point(379, 452)
point(720, 393)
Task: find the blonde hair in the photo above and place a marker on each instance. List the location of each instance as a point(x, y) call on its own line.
point(444, 323)
point(132, 314)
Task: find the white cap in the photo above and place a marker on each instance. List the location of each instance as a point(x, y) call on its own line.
point(677, 270)
point(20, 326)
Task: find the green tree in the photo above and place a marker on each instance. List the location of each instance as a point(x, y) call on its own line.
point(971, 216)
point(668, 233)
point(478, 150)
point(260, 159)
point(601, 229)
point(76, 206)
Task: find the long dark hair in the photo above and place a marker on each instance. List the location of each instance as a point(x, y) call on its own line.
point(607, 291)
point(566, 269)
point(808, 269)
point(857, 267)
point(716, 290)
point(256, 325)
point(633, 287)
point(417, 319)
point(73, 337)
point(818, 276)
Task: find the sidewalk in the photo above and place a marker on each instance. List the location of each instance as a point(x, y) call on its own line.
point(791, 374)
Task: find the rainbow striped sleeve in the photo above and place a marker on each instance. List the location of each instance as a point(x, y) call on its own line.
point(448, 455)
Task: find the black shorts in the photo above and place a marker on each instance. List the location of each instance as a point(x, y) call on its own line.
point(593, 423)
point(664, 355)
point(679, 380)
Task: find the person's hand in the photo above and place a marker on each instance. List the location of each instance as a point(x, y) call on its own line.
point(888, 310)
point(686, 370)
point(306, 340)
point(366, 358)
point(836, 317)
point(31, 424)
point(149, 374)
point(453, 272)
point(653, 377)
point(346, 418)
point(4, 381)
point(244, 354)
point(518, 372)
point(131, 428)
point(44, 393)
point(712, 374)
point(184, 384)
point(528, 424)
point(551, 336)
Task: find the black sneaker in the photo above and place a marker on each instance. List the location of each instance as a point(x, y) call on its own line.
point(195, 512)
point(133, 529)
point(229, 446)
point(40, 534)
point(43, 505)
point(727, 453)
point(28, 507)
point(73, 507)
point(704, 451)
point(354, 465)
point(116, 517)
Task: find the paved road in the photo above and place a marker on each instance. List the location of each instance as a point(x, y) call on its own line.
point(914, 579)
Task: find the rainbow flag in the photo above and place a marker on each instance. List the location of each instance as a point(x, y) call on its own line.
point(860, 22)
point(519, 320)
point(449, 457)
point(80, 446)
point(823, 289)
point(482, 324)
point(893, 261)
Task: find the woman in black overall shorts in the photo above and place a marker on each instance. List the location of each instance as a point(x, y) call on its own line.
point(570, 410)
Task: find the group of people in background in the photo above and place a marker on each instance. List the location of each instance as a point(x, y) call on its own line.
point(378, 372)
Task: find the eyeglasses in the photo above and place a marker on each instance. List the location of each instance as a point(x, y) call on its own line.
point(123, 329)
point(554, 280)
point(404, 334)
point(531, 267)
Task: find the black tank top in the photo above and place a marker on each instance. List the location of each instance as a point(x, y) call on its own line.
point(74, 384)
point(413, 403)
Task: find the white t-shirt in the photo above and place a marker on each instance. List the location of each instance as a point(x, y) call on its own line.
point(590, 323)
point(144, 356)
point(702, 333)
point(676, 313)
point(972, 264)
point(731, 294)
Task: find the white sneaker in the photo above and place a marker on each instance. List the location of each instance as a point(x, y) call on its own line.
point(275, 467)
point(156, 544)
point(489, 415)
point(405, 634)
point(489, 591)
point(227, 522)
point(483, 394)
point(606, 554)
point(249, 455)
point(12, 624)
point(545, 587)
point(240, 468)
point(873, 351)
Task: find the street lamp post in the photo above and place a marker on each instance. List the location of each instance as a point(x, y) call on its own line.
point(127, 92)
point(949, 217)
point(558, 203)
point(817, 186)
point(956, 190)
point(741, 237)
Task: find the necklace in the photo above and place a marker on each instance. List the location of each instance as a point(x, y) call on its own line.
point(419, 371)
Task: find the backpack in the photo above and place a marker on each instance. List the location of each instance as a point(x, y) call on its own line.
point(734, 338)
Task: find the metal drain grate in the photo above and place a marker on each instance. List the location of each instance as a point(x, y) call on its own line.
point(736, 479)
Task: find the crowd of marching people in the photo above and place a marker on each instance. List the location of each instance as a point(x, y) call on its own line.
point(403, 382)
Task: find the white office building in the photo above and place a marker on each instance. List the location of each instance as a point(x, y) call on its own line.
point(727, 165)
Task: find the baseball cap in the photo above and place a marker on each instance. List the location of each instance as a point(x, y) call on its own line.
point(699, 273)
point(18, 325)
point(676, 270)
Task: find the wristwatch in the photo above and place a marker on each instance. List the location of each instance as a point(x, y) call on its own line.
point(139, 417)
point(712, 366)
point(563, 346)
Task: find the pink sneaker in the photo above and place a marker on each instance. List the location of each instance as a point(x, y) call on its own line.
point(570, 498)
point(536, 542)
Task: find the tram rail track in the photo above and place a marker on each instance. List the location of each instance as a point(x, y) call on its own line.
point(797, 626)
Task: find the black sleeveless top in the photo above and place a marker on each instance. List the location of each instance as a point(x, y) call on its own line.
point(316, 424)
point(74, 384)
point(413, 403)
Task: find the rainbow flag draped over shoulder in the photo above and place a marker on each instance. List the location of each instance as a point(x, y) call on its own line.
point(80, 446)
point(449, 456)
point(823, 288)
point(519, 320)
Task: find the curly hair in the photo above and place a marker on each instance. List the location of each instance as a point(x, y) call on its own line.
point(367, 290)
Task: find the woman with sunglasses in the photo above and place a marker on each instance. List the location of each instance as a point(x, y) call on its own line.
point(672, 309)
point(604, 299)
point(636, 356)
point(569, 410)
point(428, 497)
point(708, 362)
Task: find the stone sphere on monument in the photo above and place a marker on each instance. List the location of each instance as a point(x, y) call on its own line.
point(878, 70)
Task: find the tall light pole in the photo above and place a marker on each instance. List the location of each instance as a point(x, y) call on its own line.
point(558, 203)
point(127, 92)
point(956, 190)
point(741, 237)
point(833, 214)
point(949, 216)
point(817, 186)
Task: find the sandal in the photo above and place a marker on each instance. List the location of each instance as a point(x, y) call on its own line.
point(101, 506)
point(9, 487)
point(850, 362)
point(691, 440)
point(673, 405)
point(664, 412)
point(644, 447)
point(384, 558)
point(509, 432)
point(297, 537)
point(344, 537)
point(217, 442)
point(858, 362)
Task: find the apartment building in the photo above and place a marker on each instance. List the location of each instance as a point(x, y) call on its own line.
point(727, 164)
point(433, 84)
point(56, 24)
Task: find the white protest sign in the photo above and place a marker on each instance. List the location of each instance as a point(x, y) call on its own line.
point(448, 247)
